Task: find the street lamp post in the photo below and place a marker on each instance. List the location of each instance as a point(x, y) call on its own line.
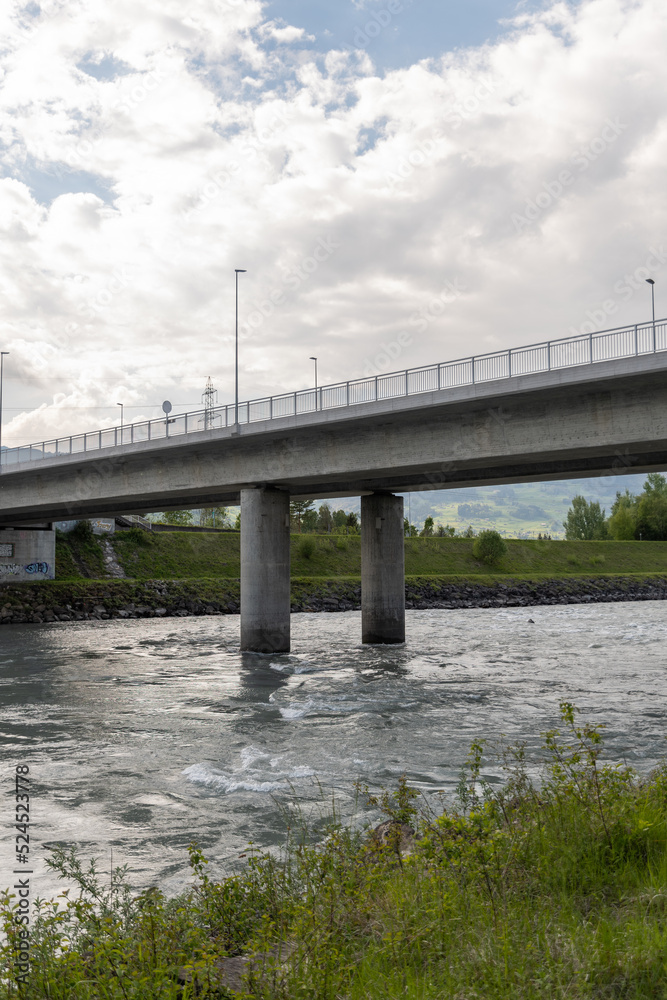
point(237, 271)
point(121, 421)
point(2, 359)
point(315, 360)
point(651, 282)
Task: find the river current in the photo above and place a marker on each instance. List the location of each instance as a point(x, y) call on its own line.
point(142, 735)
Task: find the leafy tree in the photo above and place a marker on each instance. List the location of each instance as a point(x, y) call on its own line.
point(623, 525)
point(213, 517)
point(176, 517)
point(237, 522)
point(325, 518)
point(427, 530)
point(338, 521)
point(445, 531)
point(409, 529)
point(297, 509)
point(469, 532)
point(651, 510)
point(352, 522)
point(489, 547)
point(585, 521)
point(309, 521)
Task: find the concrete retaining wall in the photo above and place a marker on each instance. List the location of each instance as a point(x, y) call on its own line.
point(27, 554)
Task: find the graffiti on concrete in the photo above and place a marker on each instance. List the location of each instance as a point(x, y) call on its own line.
point(13, 569)
point(37, 567)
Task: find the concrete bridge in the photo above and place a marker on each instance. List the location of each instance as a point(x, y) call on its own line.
point(593, 416)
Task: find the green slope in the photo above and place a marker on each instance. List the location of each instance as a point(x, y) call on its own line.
point(182, 555)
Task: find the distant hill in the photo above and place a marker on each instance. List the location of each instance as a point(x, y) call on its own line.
point(521, 511)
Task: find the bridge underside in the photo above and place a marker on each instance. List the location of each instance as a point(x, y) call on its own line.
point(518, 432)
point(602, 422)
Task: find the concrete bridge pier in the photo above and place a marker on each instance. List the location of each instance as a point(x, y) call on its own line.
point(382, 569)
point(265, 571)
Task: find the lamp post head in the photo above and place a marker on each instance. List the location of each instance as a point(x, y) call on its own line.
point(312, 359)
point(649, 281)
point(239, 270)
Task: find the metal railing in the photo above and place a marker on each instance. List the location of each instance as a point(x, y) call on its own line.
point(570, 352)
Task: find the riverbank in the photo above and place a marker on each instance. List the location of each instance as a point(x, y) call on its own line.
point(170, 555)
point(86, 600)
point(550, 884)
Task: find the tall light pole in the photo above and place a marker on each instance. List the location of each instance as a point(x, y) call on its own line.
point(315, 360)
point(237, 271)
point(2, 359)
point(121, 421)
point(651, 282)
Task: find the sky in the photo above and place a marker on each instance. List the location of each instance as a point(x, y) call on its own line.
point(404, 181)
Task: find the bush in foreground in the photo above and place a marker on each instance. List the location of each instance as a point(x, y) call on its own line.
point(528, 891)
point(489, 547)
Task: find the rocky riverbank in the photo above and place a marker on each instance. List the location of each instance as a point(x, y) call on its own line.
point(94, 600)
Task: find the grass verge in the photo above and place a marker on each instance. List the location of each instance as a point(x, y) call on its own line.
point(525, 891)
point(182, 555)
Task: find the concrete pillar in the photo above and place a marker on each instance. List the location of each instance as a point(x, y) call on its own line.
point(265, 571)
point(382, 569)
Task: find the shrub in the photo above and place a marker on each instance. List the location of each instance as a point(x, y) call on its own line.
point(137, 536)
point(489, 547)
point(306, 548)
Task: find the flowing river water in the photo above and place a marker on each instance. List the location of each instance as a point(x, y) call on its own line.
point(142, 735)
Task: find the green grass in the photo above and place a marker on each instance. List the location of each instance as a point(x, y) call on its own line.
point(177, 555)
point(520, 891)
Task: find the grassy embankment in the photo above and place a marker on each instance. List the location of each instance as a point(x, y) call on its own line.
point(182, 555)
point(525, 891)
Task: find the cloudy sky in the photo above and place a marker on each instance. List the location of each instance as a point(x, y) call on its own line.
point(405, 181)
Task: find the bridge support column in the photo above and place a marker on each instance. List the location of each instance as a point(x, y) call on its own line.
point(382, 569)
point(265, 571)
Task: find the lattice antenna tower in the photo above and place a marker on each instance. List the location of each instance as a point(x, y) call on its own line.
point(210, 400)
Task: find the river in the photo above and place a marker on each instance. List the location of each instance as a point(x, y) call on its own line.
point(142, 735)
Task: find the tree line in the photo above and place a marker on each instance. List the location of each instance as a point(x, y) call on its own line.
point(641, 517)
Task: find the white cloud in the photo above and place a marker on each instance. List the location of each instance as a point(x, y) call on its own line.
point(426, 200)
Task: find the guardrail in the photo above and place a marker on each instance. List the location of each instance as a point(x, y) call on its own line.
point(569, 352)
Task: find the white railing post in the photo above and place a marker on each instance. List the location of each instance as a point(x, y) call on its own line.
point(590, 348)
point(406, 382)
point(473, 369)
point(347, 393)
point(509, 363)
point(376, 388)
point(636, 343)
point(548, 355)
